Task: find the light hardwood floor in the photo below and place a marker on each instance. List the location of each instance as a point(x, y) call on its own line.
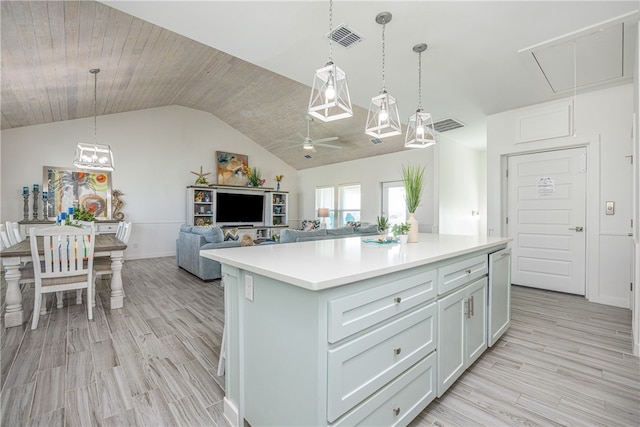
point(564, 361)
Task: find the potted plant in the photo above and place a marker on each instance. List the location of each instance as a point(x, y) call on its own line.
point(383, 225)
point(413, 180)
point(401, 231)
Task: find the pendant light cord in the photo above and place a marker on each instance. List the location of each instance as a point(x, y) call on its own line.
point(419, 80)
point(331, 31)
point(384, 25)
point(95, 106)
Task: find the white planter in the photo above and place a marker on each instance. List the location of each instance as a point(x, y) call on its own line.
point(403, 238)
point(413, 231)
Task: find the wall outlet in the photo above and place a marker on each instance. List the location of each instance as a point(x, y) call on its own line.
point(248, 287)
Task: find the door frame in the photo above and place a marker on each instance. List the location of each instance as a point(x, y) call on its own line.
point(592, 223)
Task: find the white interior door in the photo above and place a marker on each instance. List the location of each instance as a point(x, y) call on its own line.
point(546, 219)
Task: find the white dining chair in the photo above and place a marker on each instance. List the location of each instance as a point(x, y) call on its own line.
point(4, 237)
point(119, 230)
point(13, 232)
point(67, 263)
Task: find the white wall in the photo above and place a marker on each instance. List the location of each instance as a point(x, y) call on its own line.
point(154, 152)
point(462, 189)
point(371, 172)
point(603, 124)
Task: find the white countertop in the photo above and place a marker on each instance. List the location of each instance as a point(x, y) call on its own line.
point(323, 264)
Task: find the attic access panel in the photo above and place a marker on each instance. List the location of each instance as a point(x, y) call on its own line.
point(598, 59)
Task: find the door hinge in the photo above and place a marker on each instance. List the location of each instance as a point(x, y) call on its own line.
point(631, 221)
point(507, 173)
point(631, 286)
point(507, 220)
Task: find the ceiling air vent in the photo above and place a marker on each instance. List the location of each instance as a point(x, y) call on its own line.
point(345, 36)
point(446, 125)
point(376, 141)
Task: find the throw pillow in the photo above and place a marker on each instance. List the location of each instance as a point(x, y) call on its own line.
point(231, 234)
point(353, 224)
point(310, 224)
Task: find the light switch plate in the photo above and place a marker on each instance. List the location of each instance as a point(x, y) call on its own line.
point(611, 207)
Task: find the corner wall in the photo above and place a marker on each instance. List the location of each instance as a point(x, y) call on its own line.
point(155, 151)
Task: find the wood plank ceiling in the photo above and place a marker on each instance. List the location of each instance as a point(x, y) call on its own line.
point(48, 48)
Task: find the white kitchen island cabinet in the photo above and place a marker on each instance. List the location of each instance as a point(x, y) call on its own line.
point(343, 332)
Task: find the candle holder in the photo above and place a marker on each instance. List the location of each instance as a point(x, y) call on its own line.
point(25, 208)
point(35, 204)
point(45, 206)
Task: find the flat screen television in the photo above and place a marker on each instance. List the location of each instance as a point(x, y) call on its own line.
point(239, 208)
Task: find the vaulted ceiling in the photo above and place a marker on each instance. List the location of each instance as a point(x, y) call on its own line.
point(251, 63)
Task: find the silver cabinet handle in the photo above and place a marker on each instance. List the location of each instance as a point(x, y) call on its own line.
point(397, 300)
point(397, 351)
point(467, 312)
point(396, 411)
point(471, 306)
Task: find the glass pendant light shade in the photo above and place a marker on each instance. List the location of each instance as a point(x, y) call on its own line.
point(420, 130)
point(383, 119)
point(330, 94)
point(420, 133)
point(330, 98)
point(94, 156)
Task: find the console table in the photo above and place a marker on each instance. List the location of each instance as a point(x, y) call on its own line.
point(344, 332)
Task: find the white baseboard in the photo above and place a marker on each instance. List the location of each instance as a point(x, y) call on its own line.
point(231, 413)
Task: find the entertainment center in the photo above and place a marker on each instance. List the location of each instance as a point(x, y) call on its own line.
point(254, 210)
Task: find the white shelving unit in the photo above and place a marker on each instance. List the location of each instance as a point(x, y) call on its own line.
point(277, 208)
point(199, 205)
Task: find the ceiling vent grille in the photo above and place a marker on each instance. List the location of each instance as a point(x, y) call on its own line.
point(345, 36)
point(376, 141)
point(446, 125)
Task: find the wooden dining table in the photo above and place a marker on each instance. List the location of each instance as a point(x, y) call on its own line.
point(13, 257)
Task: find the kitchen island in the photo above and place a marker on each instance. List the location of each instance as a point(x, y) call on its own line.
point(344, 332)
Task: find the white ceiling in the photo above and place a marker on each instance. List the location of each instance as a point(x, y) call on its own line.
point(471, 69)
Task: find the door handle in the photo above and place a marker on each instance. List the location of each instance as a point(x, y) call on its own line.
point(577, 229)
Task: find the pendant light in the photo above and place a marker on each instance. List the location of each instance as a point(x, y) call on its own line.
point(94, 156)
point(383, 119)
point(420, 132)
point(330, 93)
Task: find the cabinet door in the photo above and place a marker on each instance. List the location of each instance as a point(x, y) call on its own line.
point(476, 327)
point(451, 326)
point(499, 314)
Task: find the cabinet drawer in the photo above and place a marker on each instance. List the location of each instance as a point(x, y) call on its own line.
point(398, 402)
point(356, 312)
point(107, 228)
point(361, 367)
point(457, 274)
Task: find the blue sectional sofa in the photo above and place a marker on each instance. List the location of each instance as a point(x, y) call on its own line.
point(191, 240)
point(289, 236)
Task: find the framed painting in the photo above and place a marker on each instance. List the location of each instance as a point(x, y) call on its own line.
point(231, 168)
point(67, 187)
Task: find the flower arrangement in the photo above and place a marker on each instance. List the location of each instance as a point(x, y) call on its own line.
point(278, 178)
point(253, 175)
point(83, 214)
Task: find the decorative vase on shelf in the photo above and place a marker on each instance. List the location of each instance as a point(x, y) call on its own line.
point(278, 186)
point(413, 231)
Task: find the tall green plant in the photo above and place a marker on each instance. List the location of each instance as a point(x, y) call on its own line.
point(413, 179)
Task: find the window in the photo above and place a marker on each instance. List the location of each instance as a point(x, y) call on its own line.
point(348, 203)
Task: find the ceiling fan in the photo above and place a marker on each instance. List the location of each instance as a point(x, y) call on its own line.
point(311, 144)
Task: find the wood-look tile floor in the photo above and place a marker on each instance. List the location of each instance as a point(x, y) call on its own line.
point(564, 361)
